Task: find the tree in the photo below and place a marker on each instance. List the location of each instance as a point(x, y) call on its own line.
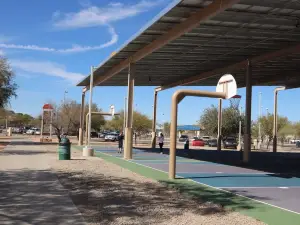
point(297, 129)
point(285, 131)
point(67, 118)
point(209, 121)
point(267, 126)
point(141, 123)
point(8, 86)
point(230, 121)
point(166, 128)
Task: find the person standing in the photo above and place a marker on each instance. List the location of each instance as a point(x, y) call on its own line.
point(161, 140)
point(120, 140)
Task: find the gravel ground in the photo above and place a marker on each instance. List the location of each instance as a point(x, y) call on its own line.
point(107, 194)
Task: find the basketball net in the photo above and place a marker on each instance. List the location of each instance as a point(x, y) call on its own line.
point(235, 102)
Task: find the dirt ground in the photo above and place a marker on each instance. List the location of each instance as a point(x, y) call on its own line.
point(107, 194)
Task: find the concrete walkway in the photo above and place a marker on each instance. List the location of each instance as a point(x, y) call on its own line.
point(30, 191)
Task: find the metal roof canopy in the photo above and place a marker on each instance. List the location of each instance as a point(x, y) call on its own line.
point(177, 49)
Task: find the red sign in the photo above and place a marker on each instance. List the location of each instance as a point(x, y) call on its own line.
point(47, 106)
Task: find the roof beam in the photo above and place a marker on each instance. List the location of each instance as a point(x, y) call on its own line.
point(233, 67)
point(211, 10)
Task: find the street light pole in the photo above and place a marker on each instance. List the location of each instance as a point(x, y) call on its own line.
point(259, 117)
point(66, 92)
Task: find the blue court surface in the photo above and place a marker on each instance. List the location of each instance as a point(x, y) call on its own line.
point(274, 189)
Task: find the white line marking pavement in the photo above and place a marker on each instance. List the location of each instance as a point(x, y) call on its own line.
point(223, 190)
point(259, 187)
point(229, 174)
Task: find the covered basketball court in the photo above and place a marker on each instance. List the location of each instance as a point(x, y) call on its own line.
point(195, 42)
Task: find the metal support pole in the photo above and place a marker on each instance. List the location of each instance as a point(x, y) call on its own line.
point(90, 106)
point(128, 129)
point(125, 115)
point(80, 135)
point(219, 146)
point(88, 150)
point(86, 128)
point(51, 121)
point(247, 135)
point(42, 126)
point(275, 120)
point(153, 142)
point(259, 123)
point(240, 131)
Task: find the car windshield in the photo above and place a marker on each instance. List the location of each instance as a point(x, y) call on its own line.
point(230, 139)
point(184, 136)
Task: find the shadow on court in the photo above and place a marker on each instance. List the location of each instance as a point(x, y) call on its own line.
point(286, 165)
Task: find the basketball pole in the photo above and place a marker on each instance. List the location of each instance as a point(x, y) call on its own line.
point(219, 147)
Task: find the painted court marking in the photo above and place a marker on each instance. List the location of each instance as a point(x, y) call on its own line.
point(216, 188)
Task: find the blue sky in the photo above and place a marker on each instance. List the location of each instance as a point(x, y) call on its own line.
point(52, 44)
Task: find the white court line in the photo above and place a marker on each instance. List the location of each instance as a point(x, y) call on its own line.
point(259, 187)
point(225, 173)
point(223, 190)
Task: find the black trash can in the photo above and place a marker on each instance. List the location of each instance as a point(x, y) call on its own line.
point(64, 149)
point(186, 145)
point(298, 144)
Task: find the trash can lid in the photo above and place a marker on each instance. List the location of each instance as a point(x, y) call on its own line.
point(65, 140)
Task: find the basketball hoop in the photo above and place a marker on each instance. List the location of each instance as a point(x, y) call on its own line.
point(235, 102)
point(227, 85)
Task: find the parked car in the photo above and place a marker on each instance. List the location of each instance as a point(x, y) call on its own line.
point(33, 131)
point(213, 143)
point(198, 142)
point(111, 137)
point(30, 131)
point(206, 139)
point(195, 138)
point(94, 134)
point(102, 135)
point(229, 142)
point(183, 138)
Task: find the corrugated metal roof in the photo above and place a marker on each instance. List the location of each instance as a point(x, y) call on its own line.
point(245, 30)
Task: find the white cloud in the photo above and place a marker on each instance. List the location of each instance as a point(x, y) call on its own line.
point(96, 16)
point(1, 52)
point(74, 49)
point(89, 16)
point(46, 68)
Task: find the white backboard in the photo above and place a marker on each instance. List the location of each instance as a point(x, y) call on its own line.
point(228, 85)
